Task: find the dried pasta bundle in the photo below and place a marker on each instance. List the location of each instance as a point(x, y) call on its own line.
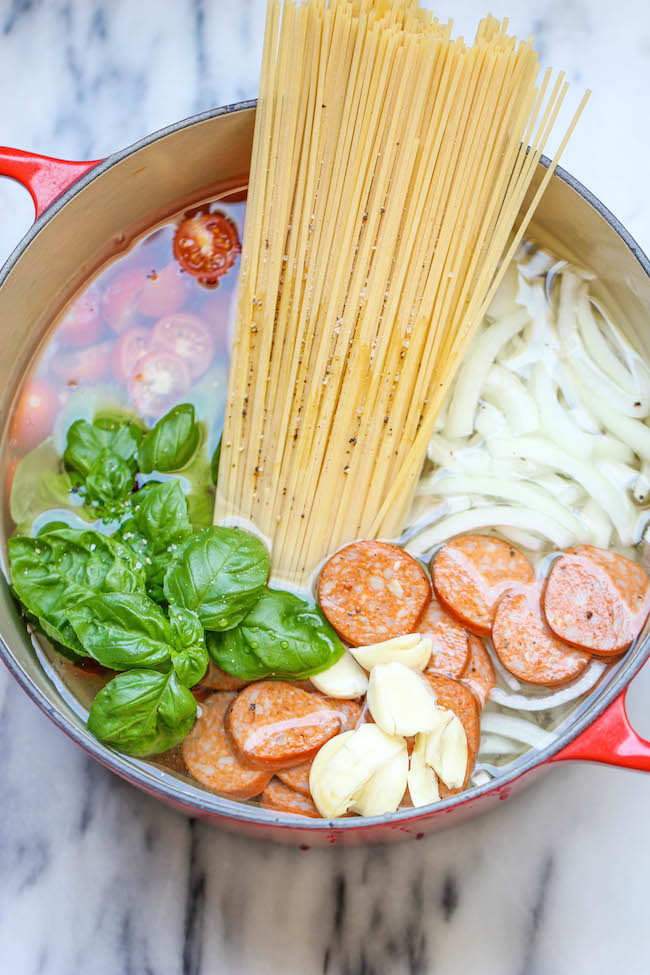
point(390, 165)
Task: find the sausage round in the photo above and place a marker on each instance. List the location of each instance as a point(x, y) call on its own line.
point(597, 600)
point(210, 759)
point(216, 679)
point(450, 641)
point(281, 798)
point(452, 695)
point(273, 725)
point(479, 674)
point(527, 646)
point(372, 591)
point(471, 573)
point(298, 777)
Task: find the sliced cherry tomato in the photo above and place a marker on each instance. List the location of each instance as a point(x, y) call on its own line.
point(120, 299)
point(82, 324)
point(84, 365)
point(206, 245)
point(189, 337)
point(159, 379)
point(130, 349)
point(163, 292)
point(34, 415)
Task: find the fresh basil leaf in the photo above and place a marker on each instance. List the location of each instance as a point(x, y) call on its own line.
point(159, 524)
point(51, 526)
point(214, 463)
point(218, 573)
point(142, 712)
point(186, 628)
point(123, 631)
point(191, 664)
point(87, 441)
point(172, 443)
point(109, 480)
point(61, 567)
point(282, 636)
point(40, 483)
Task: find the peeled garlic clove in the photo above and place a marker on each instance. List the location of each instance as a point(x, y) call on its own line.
point(344, 765)
point(413, 651)
point(400, 701)
point(344, 679)
point(385, 790)
point(447, 751)
point(422, 780)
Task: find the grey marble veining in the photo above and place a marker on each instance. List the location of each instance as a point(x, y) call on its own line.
point(96, 879)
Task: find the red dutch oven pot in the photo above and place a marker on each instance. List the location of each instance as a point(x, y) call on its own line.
point(85, 212)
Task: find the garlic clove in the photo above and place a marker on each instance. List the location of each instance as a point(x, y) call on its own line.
point(400, 701)
point(447, 750)
point(344, 679)
point(344, 765)
point(422, 780)
point(413, 651)
point(385, 790)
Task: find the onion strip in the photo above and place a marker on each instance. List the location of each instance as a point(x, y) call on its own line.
point(492, 516)
point(544, 702)
point(519, 729)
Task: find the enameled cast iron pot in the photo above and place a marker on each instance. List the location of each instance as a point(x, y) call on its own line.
point(84, 211)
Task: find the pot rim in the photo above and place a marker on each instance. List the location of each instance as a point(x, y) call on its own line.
point(149, 778)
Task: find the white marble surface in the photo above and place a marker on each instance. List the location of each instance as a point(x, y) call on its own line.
point(96, 879)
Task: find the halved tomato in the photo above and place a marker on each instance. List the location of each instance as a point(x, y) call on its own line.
point(120, 299)
point(159, 379)
point(206, 245)
point(189, 337)
point(163, 292)
point(34, 415)
point(130, 349)
point(82, 323)
point(84, 365)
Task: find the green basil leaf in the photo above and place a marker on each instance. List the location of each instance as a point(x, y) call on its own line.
point(218, 573)
point(123, 631)
point(214, 463)
point(51, 526)
point(40, 483)
point(159, 524)
point(185, 627)
point(172, 443)
point(282, 636)
point(142, 712)
point(110, 479)
point(191, 664)
point(87, 441)
point(51, 572)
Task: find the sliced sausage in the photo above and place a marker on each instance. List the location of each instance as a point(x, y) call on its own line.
point(528, 647)
point(451, 694)
point(210, 759)
point(281, 798)
point(450, 641)
point(298, 777)
point(273, 725)
point(216, 679)
point(471, 573)
point(479, 674)
point(597, 600)
point(373, 591)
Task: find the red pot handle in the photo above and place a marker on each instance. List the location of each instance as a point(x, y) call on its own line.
point(45, 178)
point(610, 739)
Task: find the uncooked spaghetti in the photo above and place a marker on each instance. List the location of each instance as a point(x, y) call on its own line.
point(390, 164)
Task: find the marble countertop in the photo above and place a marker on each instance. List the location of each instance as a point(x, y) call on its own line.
point(96, 879)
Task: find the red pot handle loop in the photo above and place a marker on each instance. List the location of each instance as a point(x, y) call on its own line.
point(610, 739)
point(45, 178)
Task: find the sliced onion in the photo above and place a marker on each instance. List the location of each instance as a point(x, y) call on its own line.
point(471, 376)
point(519, 729)
point(502, 515)
point(544, 702)
point(521, 538)
point(601, 351)
point(557, 422)
point(506, 391)
point(609, 448)
point(615, 502)
point(497, 745)
point(435, 515)
point(632, 432)
point(598, 524)
point(512, 489)
point(490, 422)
